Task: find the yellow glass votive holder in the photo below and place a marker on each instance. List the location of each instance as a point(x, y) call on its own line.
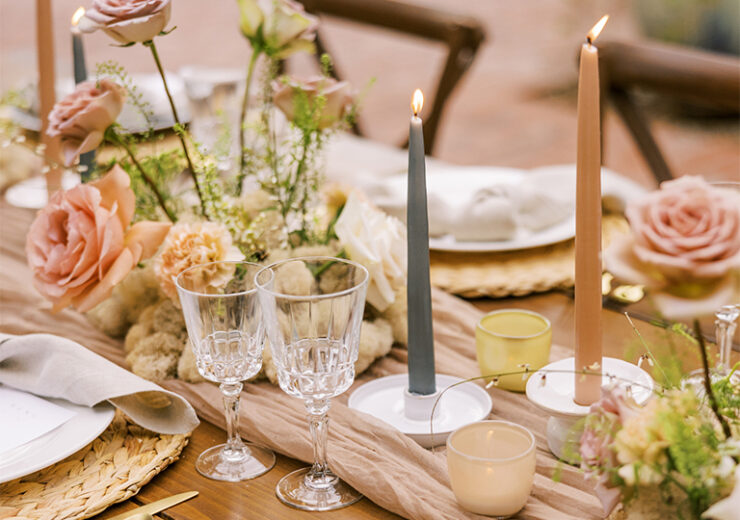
point(507, 340)
point(491, 465)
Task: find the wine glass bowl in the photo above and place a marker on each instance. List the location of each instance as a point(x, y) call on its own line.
point(312, 309)
point(223, 318)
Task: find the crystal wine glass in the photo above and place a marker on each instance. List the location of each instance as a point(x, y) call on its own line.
point(312, 309)
point(223, 318)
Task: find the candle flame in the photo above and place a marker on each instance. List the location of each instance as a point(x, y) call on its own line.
point(417, 102)
point(596, 29)
point(79, 13)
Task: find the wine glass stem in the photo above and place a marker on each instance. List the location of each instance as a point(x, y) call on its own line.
point(235, 448)
point(724, 330)
point(320, 476)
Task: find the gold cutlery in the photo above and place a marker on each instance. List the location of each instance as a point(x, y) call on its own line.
point(155, 507)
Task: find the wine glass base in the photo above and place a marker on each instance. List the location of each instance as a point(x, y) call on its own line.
point(214, 465)
point(292, 491)
point(695, 379)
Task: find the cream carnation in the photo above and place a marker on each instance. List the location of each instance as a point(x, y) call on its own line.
point(191, 244)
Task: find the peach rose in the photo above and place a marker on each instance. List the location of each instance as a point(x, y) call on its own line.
point(688, 230)
point(80, 245)
point(127, 21)
point(191, 244)
point(81, 119)
point(336, 94)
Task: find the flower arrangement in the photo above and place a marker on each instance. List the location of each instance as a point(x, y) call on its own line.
point(684, 245)
point(89, 247)
point(675, 457)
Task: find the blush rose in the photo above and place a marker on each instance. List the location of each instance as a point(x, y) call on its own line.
point(81, 119)
point(127, 21)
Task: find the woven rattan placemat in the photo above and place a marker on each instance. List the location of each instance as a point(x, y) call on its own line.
point(513, 273)
point(110, 469)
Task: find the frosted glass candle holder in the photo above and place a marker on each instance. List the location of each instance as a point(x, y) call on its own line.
point(508, 339)
point(491, 466)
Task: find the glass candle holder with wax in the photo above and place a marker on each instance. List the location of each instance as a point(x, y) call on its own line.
point(491, 466)
point(509, 340)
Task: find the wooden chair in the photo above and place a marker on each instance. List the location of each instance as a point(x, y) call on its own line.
point(699, 77)
point(462, 35)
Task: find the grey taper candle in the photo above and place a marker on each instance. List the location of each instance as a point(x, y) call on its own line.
point(419, 294)
point(80, 71)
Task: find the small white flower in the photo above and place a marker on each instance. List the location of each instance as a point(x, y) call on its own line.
point(727, 508)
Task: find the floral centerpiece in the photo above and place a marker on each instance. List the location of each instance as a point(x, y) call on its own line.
point(675, 457)
point(113, 247)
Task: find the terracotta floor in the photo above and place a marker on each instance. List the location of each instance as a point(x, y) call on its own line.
point(516, 106)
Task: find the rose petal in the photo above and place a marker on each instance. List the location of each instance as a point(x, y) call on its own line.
point(148, 236)
point(114, 188)
point(102, 290)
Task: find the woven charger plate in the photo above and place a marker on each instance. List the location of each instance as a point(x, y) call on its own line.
point(514, 273)
point(110, 469)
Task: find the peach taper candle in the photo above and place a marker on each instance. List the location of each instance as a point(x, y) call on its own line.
point(588, 349)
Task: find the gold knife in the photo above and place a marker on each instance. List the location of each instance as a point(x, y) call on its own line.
point(159, 505)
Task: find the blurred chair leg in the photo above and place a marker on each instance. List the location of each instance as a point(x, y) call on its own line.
point(641, 134)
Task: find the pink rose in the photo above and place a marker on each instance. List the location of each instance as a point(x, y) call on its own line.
point(336, 94)
point(687, 230)
point(605, 419)
point(81, 118)
point(127, 21)
point(80, 245)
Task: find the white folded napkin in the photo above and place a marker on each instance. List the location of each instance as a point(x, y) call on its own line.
point(52, 366)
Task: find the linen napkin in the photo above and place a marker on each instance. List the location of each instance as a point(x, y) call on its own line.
point(52, 366)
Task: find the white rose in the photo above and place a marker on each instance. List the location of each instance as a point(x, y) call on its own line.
point(378, 242)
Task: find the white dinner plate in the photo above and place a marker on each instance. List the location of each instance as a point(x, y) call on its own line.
point(456, 184)
point(524, 239)
point(59, 443)
point(148, 86)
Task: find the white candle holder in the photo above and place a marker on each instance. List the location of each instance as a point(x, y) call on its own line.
point(555, 394)
point(388, 399)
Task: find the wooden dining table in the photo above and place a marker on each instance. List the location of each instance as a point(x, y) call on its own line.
point(255, 499)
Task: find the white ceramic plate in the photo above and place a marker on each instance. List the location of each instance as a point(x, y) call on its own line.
point(456, 184)
point(384, 398)
point(59, 443)
point(149, 87)
point(524, 239)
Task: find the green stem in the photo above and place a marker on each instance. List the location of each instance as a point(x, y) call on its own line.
point(179, 128)
point(298, 172)
point(243, 122)
point(116, 139)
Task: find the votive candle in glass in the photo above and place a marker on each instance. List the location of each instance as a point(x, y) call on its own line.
point(491, 466)
point(507, 340)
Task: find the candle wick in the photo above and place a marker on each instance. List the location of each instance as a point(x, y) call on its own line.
point(588, 39)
